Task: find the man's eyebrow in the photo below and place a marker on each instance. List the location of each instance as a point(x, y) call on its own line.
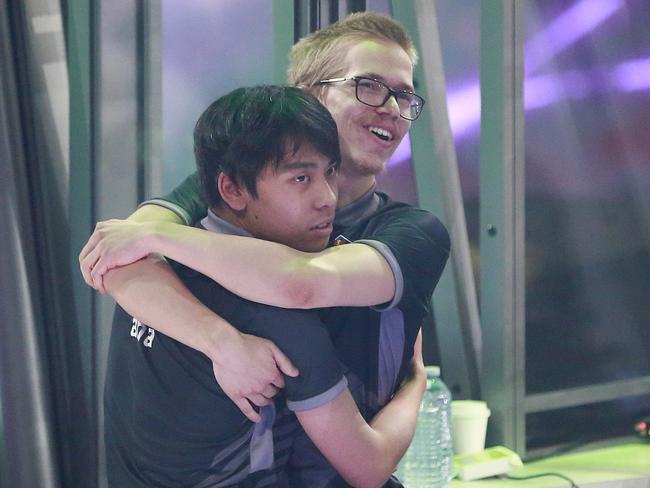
point(377, 76)
point(293, 165)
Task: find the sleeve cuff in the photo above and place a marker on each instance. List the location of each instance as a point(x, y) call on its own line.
point(390, 258)
point(178, 210)
point(320, 399)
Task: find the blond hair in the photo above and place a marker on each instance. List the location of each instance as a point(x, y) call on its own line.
point(318, 55)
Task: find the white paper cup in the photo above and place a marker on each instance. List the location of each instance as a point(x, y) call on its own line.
point(469, 424)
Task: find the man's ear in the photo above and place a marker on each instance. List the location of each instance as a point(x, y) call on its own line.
point(233, 194)
point(316, 90)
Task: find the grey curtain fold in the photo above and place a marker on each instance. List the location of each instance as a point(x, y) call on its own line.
point(47, 414)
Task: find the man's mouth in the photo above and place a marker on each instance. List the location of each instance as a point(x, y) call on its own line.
point(382, 134)
point(323, 226)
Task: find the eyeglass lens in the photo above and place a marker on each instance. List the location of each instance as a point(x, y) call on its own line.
point(376, 93)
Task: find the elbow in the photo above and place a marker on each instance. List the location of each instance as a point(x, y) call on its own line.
point(299, 294)
point(372, 475)
point(300, 287)
point(371, 480)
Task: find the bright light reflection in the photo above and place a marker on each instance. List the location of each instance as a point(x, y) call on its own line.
point(464, 101)
point(567, 28)
point(632, 75)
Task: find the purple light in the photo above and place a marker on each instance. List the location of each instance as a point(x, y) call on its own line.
point(464, 101)
point(464, 106)
point(402, 153)
point(632, 75)
point(567, 28)
point(540, 91)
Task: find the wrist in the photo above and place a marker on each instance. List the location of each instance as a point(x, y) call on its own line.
point(419, 375)
point(153, 239)
point(419, 370)
point(217, 337)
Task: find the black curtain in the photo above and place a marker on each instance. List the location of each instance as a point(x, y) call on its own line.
point(48, 434)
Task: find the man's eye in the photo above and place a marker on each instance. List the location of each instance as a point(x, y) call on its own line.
point(301, 178)
point(370, 85)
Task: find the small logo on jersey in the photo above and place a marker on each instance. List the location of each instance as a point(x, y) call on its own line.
point(341, 239)
point(138, 330)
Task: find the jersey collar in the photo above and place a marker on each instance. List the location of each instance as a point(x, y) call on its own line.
point(357, 210)
point(214, 223)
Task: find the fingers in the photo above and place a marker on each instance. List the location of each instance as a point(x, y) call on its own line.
point(259, 400)
point(98, 280)
point(86, 265)
point(263, 398)
point(278, 381)
point(93, 268)
point(88, 257)
point(110, 245)
point(283, 363)
point(270, 391)
point(90, 270)
point(90, 245)
point(247, 409)
point(97, 275)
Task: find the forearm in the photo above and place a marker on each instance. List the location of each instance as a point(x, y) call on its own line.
point(394, 427)
point(396, 422)
point(274, 274)
point(261, 271)
point(392, 431)
point(226, 259)
point(365, 455)
point(266, 272)
point(151, 292)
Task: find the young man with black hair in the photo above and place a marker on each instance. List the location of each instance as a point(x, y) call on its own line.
point(261, 152)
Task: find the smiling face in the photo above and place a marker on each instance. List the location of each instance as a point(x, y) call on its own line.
point(369, 135)
point(295, 202)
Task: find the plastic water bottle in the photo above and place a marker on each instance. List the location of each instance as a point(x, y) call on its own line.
point(428, 461)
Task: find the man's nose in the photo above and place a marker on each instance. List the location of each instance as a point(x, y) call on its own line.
point(391, 107)
point(327, 194)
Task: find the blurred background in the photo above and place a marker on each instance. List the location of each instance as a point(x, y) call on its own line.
point(97, 108)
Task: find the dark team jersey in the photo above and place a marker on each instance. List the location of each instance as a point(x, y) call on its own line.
point(375, 343)
point(167, 421)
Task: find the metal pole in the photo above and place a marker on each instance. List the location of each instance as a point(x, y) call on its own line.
point(502, 221)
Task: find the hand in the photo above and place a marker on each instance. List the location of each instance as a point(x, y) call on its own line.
point(249, 370)
point(113, 243)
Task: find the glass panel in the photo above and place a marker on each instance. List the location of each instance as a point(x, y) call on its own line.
point(570, 428)
point(587, 90)
point(461, 62)
point(209, 49)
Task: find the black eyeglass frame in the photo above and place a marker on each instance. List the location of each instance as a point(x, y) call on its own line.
point(391, 92)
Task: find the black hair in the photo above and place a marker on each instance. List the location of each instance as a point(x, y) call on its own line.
point(242, 132)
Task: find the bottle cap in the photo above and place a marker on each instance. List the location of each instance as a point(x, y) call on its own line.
point(432, 371)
